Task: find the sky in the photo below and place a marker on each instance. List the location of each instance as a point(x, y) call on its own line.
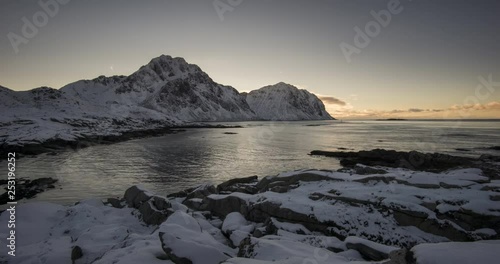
point(364, 59)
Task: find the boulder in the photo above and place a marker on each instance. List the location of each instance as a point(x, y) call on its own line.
point(436, 227)
point(288, 182)
point(76, 253)
point(156, 210)
point(202, 191)
point(244, 185)
point(272, 226)
point(237, 228)
point(222, 205)
point(116, 203)
point(369, 250)
point(184, 242)
point(275, 249)
point(136, 195)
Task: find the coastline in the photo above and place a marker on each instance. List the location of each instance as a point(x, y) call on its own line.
point(56, 145)
point(359, 213)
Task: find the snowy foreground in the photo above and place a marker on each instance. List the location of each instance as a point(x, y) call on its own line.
point(301, 217)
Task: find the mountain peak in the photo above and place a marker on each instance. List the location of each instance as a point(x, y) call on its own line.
point(283, 101)
point(283, 84)
point(282, 87)
point(168, 59)
point(167, 67)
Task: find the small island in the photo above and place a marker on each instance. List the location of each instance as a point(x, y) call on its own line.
point(392, 119)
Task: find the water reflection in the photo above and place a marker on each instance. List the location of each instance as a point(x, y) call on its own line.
point(173, 162)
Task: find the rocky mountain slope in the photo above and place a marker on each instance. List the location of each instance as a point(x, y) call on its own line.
point(166, 92)
point(168, 86)
point(286, 102)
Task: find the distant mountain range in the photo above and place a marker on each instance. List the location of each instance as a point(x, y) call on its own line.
point(165, 92)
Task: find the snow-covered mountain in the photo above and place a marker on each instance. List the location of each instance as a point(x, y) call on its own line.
point(283, 101)
point(165, 92)
point(168, 86)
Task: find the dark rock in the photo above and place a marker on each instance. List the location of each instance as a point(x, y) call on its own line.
point(222, 206)
point(195, 204)
point(76, 253)
point(245, 185)
point(135, 196)
point(368, 252)
point(471, 221)
point(487, 157)
point(270, 182)
point(171, 255)
point(432, 226)
point(154, 209)
point(202, 191)
point(116, 203)
point(27, 189)
point(368, 170)
point(398, 257)
point(262, 211)
point(279, 189)
point(462, 149)
point(180, 194)
point(161, 203)
point(35, 148)
point(414, 160)
point(130, 195)
point(259, 232)
point(151, 214)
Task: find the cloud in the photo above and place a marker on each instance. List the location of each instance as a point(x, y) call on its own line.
point(332, 100)
point(455, 111)
point(488, 106)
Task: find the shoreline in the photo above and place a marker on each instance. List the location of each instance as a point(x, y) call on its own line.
point(361, 214)
point(58, 145)
point(376, 161)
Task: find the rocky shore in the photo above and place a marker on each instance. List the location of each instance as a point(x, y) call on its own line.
point(360, 214)
point(414, 160)
point(26, 188)
point(54, 145)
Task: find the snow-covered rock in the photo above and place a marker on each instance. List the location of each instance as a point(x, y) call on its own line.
point(283, 101)
point(322, 217)
point(184, 241)
point(276, 249)
point(237, 228)
point(458, 252)
point(387, 208)
point(46, 233)
point(369, 249)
